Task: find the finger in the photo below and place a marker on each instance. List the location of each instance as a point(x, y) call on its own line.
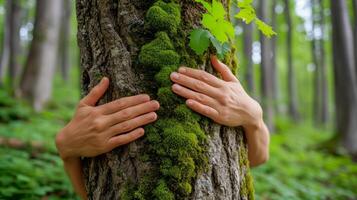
point(202, 109)
point(131, 112)
point(194, 84)
point(123, 103)
point(221, 68)
point(189, 94)
point(125, 138)
point(201, 75)
point(131, 124)
point(96, 93)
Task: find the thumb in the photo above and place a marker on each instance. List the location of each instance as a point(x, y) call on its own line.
point(221, 68)
point(96, 93)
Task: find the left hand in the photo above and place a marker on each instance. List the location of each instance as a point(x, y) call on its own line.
point(223, 100)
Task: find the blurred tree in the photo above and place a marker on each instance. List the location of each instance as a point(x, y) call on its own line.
point(36, 83)
point(292, 87)
point(110, 36)
point(266, 69)
point(274, 67)
point(64, 46)
point(15, 42)
point(248, 59)
point(320, 92)
point(355, 30)
point(345, 76)
point(5, 49)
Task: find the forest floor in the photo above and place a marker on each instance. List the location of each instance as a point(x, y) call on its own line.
point(31, 169)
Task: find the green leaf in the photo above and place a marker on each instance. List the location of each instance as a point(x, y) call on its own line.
point(200, 40)
point(246, 13)
point(222, 49)
point(264, 28)
point(205, 4)
point(218, 10)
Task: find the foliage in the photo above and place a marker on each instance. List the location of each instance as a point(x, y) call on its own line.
point(219, 31)
point(299, 169)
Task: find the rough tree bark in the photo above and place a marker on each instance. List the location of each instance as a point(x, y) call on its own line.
point(36, 83)
point(248, 61)
point(4, 59)
point(110, 36)
point(266, 78)
point(345, 79)
point(64, 46)
point(15, 45)
point(292, 87)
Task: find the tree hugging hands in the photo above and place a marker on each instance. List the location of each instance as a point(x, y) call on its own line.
point(95, 130)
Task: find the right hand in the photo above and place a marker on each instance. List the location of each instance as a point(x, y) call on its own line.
point(95, 130)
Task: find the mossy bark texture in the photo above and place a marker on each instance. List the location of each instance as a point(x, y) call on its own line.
point(137, 44)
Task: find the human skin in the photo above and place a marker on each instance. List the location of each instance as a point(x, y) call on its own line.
point(95, 130)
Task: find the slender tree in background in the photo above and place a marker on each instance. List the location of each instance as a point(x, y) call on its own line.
point(345, 78)
point(15, 43)
point(274, 67)
point(36, 83)
point(64, 45)
point(5, 49)
point(110, 37)
point(248, 60)
point(266, 78)
point(355, 31)
point(292, 87)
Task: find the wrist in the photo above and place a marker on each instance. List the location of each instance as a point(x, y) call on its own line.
point(61, 146)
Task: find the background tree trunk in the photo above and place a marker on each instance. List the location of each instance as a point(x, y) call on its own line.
point(36, 83)
point(355, 31)
point(110, 36)
point(324, 83)
point(292, 87)
point(64, 45)
point(274, 67)
point(4, 60)
point(266, 78)
point(248, 51)
point(345, 79)
point(15, 43)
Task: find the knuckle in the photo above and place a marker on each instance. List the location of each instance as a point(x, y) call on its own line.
point(125, 114)
point(98, 125)
point(126, 126)
point(199, 85)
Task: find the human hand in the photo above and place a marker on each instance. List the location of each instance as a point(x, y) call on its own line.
point(223, 100)
point(95, 130)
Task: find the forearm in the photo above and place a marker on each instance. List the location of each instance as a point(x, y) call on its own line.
point(73, 168)
point(258, 143)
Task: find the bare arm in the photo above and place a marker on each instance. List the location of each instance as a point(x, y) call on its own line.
point(226, 102)
point(95, 130)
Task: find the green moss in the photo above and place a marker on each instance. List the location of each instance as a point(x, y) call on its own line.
point(167, 98)
point(183, 113)
point(162, 192)
point(163, 77)
point(159, 53)
point(164, 17)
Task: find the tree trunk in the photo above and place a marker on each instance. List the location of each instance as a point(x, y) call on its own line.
point(266, 78)
point(15, 45)
point(292, 87)
point(36, 83)
point(64, 45)
point(345, 79)
point(4, 61)
point(248, 51)
point(274, 67)
point(116, 40)
point(355, 31)
point(324, 83)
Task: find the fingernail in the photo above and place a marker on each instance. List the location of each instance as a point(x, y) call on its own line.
point(174, 75)
point(189, 102)
point(182, 70)
point(175, 87)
